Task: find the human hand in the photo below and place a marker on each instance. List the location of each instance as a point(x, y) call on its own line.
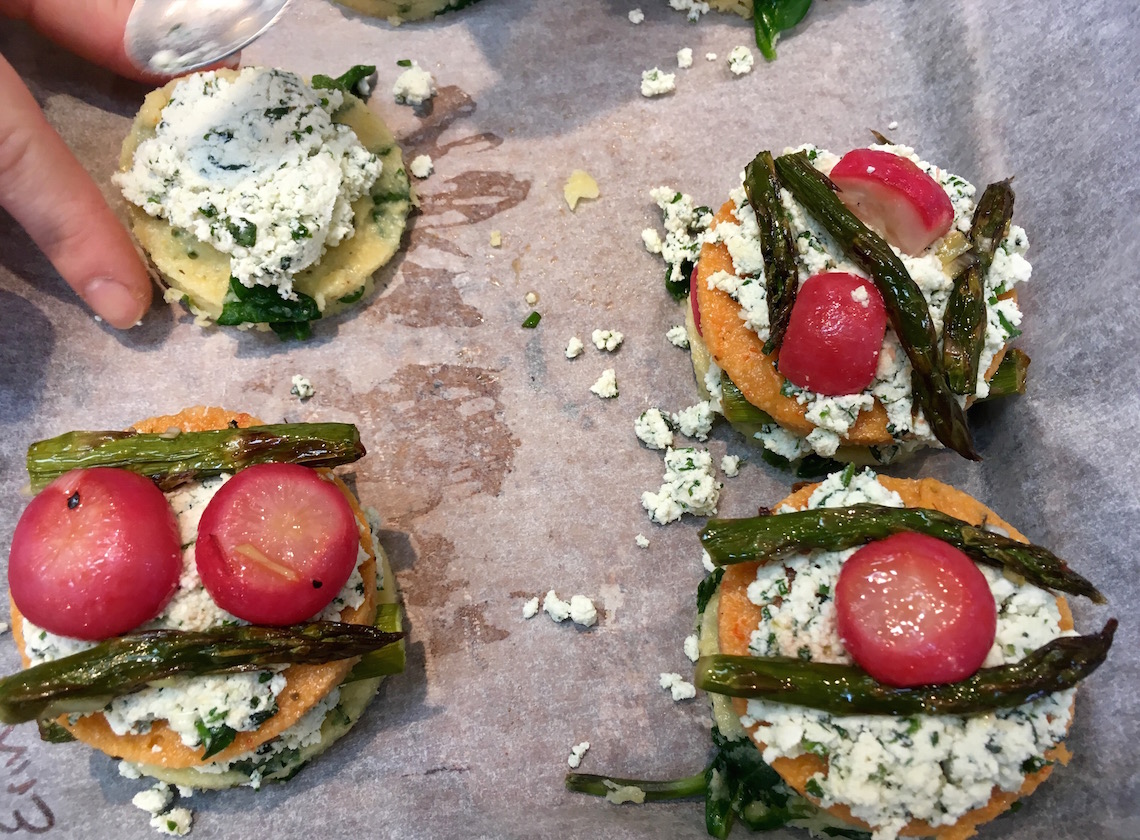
point(42, 185)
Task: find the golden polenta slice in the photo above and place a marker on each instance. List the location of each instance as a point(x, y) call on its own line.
point(736, 617)
point(200, 274)
point(399, 11)
point(739, 352)
point(305, 685)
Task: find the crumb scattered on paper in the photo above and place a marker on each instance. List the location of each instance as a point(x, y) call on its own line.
point(530, 608)
point(574, 347)
point(302, 388)
point(607, 340)
point(642, 541)
point(421, 166)
point(606, 387)
point(576, 753)
point(496, 238)
point(677, 686)
point(580, 185)
point(636, 16)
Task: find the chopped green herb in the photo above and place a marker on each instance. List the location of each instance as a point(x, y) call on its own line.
point(531, 321)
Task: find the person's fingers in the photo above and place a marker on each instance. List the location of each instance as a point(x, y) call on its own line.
point(92, 29)
point(52, 197)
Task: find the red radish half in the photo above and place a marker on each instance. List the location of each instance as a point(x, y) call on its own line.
point(276, 543)
point(913, 610)
point(834, 334)
point(893, 197)
point(95, 554)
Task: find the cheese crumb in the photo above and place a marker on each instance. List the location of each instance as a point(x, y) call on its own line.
point(496, 239)
point(692, 647)
point(711, 56)
point(689, 486)
point(861, 296)
point(421, 166)
point(583, 611)
point(555, 607)
point(680, 689)
point(656, 83)
point(302, 388)
point(414, 86)
point(740, 61)
point(154, 800)
point(678, 336)
point(642, 541)
point(654, 429)
point(576, 753)
point(578, 186)
point(530, 608)
point(574, 347)
point(696, 421)
point(685, 58)
point(606, 387)
point(176, 822)
point(652, 240)
point(636, 16)
point(531, 298)
point(730, 465)
point(608, 340)
point(892, 125)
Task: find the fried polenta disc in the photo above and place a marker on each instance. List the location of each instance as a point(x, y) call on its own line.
point(305, 685)
point(399, 11)
point(200, 274)
point(739, 352)
point(736, 617)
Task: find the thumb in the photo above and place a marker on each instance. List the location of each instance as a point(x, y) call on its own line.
point(52, 197)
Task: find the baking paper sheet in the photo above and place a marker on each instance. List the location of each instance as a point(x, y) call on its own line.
point(500, 476)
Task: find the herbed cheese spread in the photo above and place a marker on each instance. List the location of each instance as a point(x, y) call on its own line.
point(887, 770)
point(194, 706)
point(253, 165)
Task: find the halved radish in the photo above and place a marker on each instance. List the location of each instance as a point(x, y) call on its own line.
point(834, 334)
point(276, 543)
point(95, 554)
point(893, 197)
point(913, 610)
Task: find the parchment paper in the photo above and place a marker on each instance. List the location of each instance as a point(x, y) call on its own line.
point(501, 476)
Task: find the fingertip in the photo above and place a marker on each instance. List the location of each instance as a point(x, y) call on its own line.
point(120, 305)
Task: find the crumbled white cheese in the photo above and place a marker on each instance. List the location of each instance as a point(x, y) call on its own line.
point(414, 86)
point(730, 465)
point(710, 56)
point(176, 822)
point(685, 225)
point(740, 61)
point(636, 16)
point(861, 296)
point(574, 347)
point(555, 607)
point(302, 388)
point(654, 429)
point(689, 486)
point(530, 608)
point(531, 298)
point(421, 166)
point(255, 167)
point(706, 562)
point(642, 541)
point(685, 58)
point(154, 800)
point(606, 386)
point(678, 687)
point(692, 8)
point(582, 611)
point(608, 340)
point(692, 648)
point(652, 241)
point(892, 125)
point(576, 753)
point(656, 83)
point(696, 421)
point(678, 336)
